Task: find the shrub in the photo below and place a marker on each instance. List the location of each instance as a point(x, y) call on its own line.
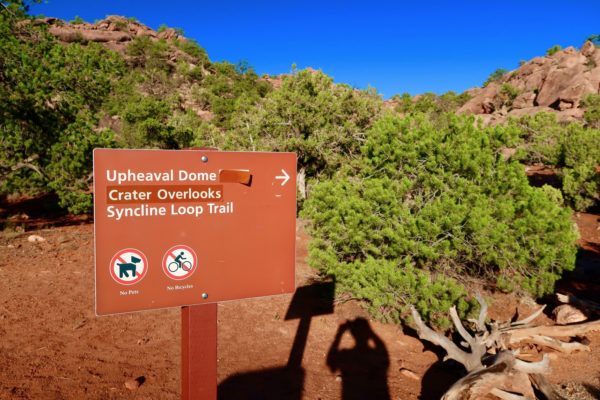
point(192, 48)
point(571, 148)
point(437, 200)
point(77, 20)
point(553, 50)
point(121, 25)
point(581, 181)
point(591, 103)
point(148, 53)
point(50, 95)
point(508, 93)
point(405, 103)
point(430, 102)
point(230, 94)
point(322, 122)
point(543, 136)
point(495, 76)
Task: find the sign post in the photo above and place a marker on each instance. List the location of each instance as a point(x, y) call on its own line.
point(192, 228)
point(199, 352)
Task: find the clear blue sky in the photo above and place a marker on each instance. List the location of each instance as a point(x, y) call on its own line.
point(394, 46)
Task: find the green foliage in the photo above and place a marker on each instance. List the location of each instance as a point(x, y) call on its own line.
point(543, 136)
point(508, 93)
point(121, 25)
point(553, 50)
point(157, 102)
point(228, 93)
point(70, 158)
point(149, 54)
point(495, 76)
point(434, 200)
point(581, 181)
point(50, 95)
point(595, 39)
point(571, 148)
point(322, 122)
point(591, 103)
point(150, 120)
point(192, 48)
point(16, 8)
point(77, 20)
point(430, 102)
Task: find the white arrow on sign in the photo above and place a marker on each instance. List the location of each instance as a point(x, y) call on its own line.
point(284, 178)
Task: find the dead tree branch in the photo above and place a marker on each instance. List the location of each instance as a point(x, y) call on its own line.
point(491, 366)
point(27, 163)
point(452, 350)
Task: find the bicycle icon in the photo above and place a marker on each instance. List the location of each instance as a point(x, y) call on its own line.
point(179, 262)
point(184, 265)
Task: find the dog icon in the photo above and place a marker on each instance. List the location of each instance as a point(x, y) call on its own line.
point(125, 268)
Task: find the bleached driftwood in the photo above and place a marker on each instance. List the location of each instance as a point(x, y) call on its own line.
point(491, 363)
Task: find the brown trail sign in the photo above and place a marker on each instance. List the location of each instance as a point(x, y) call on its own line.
point(207, 227)
point(178, 228)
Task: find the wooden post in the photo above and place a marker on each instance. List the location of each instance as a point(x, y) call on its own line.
point(199, 352)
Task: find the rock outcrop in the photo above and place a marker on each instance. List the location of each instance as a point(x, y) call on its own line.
point(113, 31)
point(556, 83)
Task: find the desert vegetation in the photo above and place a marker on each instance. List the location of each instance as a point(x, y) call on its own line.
point(408, 204)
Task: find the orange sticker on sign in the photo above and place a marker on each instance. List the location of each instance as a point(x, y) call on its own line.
point(187, 227)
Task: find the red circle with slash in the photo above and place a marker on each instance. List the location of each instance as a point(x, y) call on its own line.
point(128, 266)
point(179, 262)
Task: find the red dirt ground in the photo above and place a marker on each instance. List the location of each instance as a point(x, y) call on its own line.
point(52, 346)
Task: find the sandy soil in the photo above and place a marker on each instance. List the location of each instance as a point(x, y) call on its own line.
point(52, 346)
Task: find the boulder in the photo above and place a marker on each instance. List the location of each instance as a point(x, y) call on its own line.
point(69, 35)
point(519, 112)
point(168, 34)
point(588, 49)
point(566, 314)
point(100, 36)
point(524, 100)
point(568, 84)
point(488, 106)
point(569, 115)
point(554, 83)
point(483, 102)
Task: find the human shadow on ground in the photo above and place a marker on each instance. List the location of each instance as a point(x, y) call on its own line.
point(364, 367)
point(285, 382)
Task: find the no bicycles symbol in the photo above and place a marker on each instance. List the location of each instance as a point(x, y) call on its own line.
point(128, 266)
point(179, 262)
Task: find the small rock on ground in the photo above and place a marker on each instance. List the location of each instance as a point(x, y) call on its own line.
point(35, 239)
